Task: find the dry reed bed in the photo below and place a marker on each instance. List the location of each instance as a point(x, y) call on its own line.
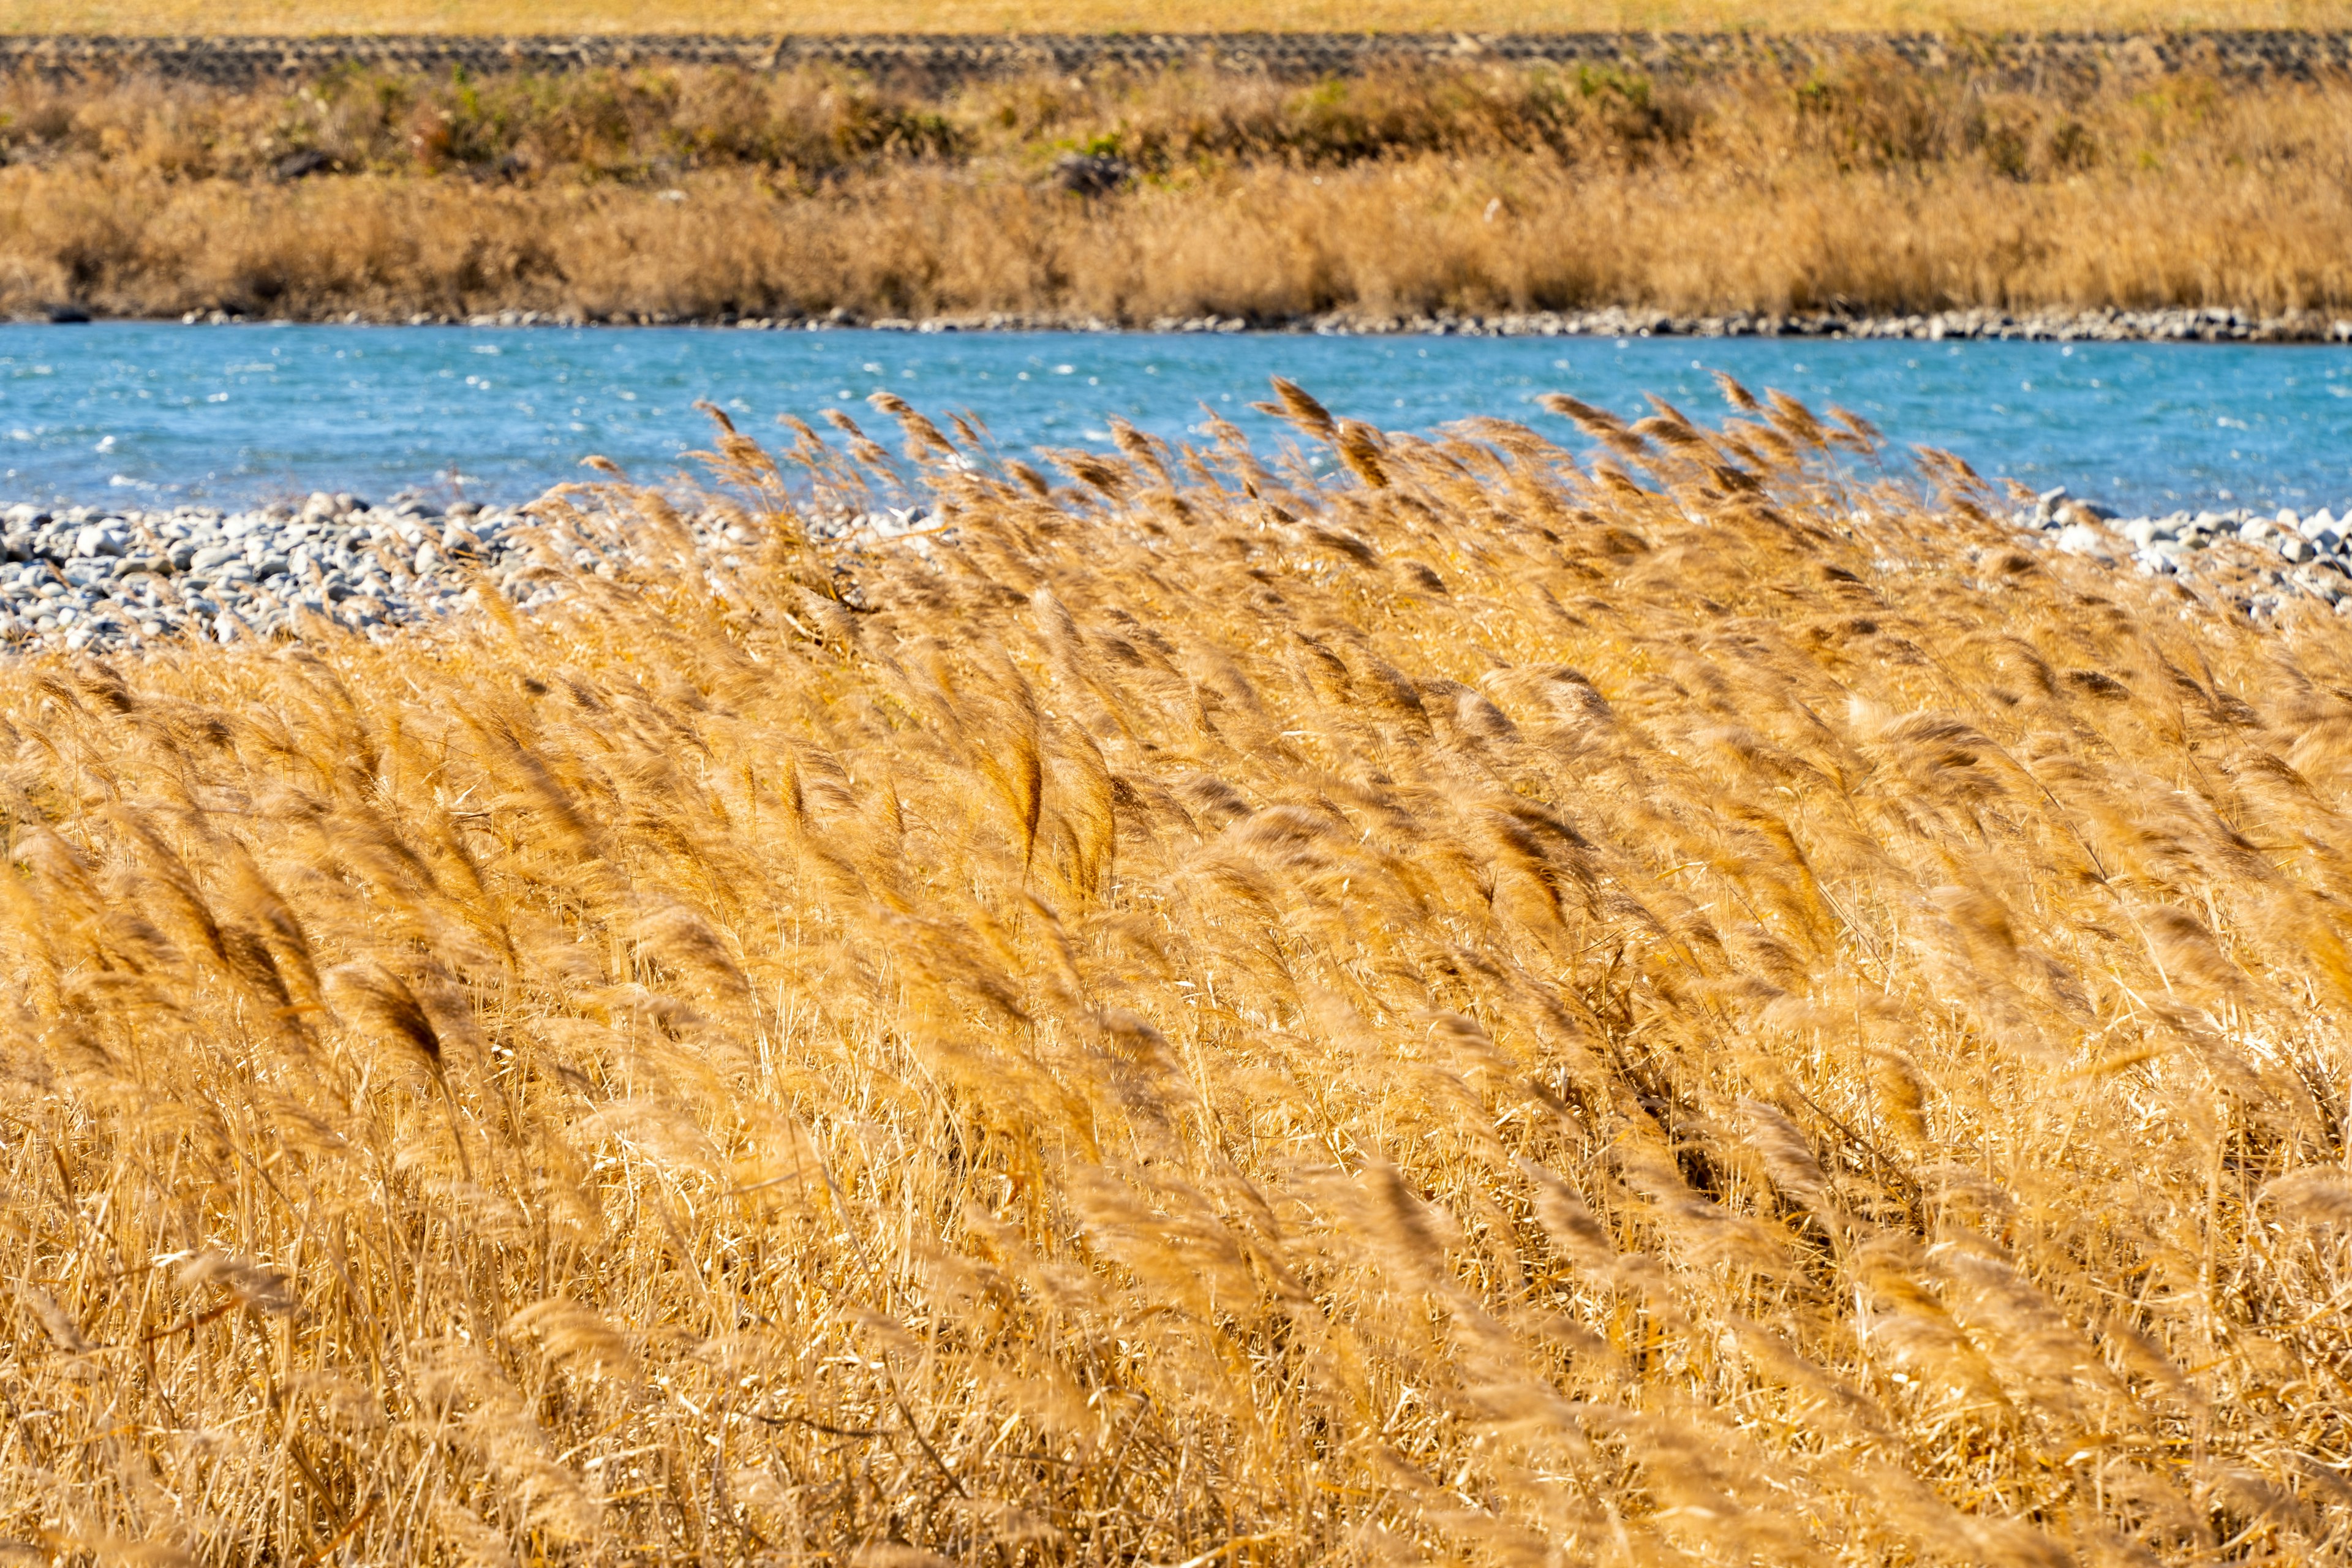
point(1868, 108)
point(1474, 1008)
point(1274, 245)
point(508, 16)
point(699, 193)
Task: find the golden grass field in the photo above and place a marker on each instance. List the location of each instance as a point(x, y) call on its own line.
point(1868, 186)
point(318, 17)
point(1688, 1008)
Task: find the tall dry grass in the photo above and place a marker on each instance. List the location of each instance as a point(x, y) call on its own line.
point(806, 126)
point(1428, 1003)
point(700, 193)
point(1383, 241)
point(576, 16)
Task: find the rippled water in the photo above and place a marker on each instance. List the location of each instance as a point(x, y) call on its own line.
point(164, 412)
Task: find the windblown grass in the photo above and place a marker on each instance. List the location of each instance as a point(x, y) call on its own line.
point(1690, 1008)
point(1869, 186)
point(321, 16)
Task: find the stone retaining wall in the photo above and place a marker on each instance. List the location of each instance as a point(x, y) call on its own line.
point(949, 57)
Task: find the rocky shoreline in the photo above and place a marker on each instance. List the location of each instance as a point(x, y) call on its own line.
point(2255, 562)
point(103, 580)
point(100, 580)
point(2183, 324)
point(87, 577)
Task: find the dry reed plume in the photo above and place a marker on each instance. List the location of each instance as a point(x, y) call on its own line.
point(1428, 1002)
point(1872, 186)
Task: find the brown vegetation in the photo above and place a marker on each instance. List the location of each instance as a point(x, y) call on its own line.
point(511, 17)
point(700, 193)
point(802, 127)
point(1693, 1009)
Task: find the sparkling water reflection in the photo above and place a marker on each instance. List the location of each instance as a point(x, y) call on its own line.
point(118, 412)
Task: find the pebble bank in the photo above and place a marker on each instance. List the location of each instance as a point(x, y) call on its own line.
point(2255, 562)
point(89, 578)
point(2180, 325)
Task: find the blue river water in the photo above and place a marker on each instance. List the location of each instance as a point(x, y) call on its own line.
point(144, 413)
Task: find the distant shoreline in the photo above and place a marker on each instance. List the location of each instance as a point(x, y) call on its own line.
point(2183, 325)
point(1875, 196)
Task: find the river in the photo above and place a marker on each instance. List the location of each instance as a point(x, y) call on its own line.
point(142, 412)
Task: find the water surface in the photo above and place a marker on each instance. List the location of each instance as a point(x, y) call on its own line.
point(160, 412)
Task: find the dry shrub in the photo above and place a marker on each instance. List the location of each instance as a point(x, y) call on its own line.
point(1870, 186)
point(1469, 1010)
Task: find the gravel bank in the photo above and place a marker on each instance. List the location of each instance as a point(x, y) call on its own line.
point(87, 578)
point(2179, 325)
point(2254, 560)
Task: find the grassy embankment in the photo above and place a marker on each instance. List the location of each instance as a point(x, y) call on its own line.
point(702, 192)
point(1478, 1011)
point(321, 16)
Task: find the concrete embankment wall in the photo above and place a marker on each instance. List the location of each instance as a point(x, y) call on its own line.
point(2042, 57)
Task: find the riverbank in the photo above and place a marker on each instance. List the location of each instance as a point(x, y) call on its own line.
point(109, 578)
point(117, 579)
point(1871, 188)
point(2208, 326)
point(1517, 240)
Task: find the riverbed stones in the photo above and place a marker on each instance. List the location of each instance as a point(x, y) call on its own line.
point(2080, 538)
point(2210, 324)
point(103, 538)
point(2258, 562)
point(102, 580)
